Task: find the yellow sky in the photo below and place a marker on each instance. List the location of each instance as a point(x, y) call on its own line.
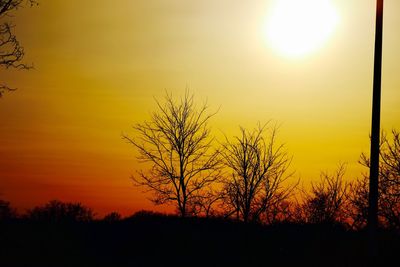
point(98, 65)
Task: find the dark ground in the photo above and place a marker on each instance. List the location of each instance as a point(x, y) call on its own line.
point(171, 241)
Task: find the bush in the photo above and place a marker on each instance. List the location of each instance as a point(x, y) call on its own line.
point(112, 217)
point(6, 211)
point(57, 211)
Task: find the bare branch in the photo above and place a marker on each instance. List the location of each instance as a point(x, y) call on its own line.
point(259, 170)
point(11, 51)
point(389, 186)
point(177, 144)
point(328, 199)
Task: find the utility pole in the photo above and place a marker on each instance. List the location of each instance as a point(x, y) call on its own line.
point(375, 132)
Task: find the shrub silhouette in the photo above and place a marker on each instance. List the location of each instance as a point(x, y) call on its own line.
point(112, 217)
point(6, 211)
point(328, 199)
point(57, 211)
point(143, 214)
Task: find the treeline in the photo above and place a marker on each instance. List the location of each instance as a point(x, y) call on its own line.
point(247, 177)
point(243, 178)
point(56, 211)
point(69, 234)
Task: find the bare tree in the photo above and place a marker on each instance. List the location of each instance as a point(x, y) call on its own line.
point(357, 210)
point(389, 186)
point(259, 171)
point(281, 211)
point(208, 203)
point(328, 199)
point(11, 51)
point(177, 144)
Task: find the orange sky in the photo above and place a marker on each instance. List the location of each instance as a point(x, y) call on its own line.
point(98, 65)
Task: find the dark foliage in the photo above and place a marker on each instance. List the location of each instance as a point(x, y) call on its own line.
point(112, 217)
point(57, 211)
point(6, 211)
point(142, 214)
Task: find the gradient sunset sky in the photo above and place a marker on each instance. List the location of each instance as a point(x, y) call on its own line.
point(99, 63)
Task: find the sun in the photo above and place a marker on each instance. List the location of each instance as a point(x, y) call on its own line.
point(296, 28)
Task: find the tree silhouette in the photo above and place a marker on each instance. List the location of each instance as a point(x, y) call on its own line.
point(57, 211)
point(389, 186)
point(177, 144)
point(112, 217)
point(11, 51)
point(208, 203)
point(328, 199)
point(259, 171)
point(6, 211)
point(357, 210)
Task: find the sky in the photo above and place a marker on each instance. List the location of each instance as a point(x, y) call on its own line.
point(99, 64)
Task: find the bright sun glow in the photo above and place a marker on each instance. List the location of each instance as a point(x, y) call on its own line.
point(298, 27)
